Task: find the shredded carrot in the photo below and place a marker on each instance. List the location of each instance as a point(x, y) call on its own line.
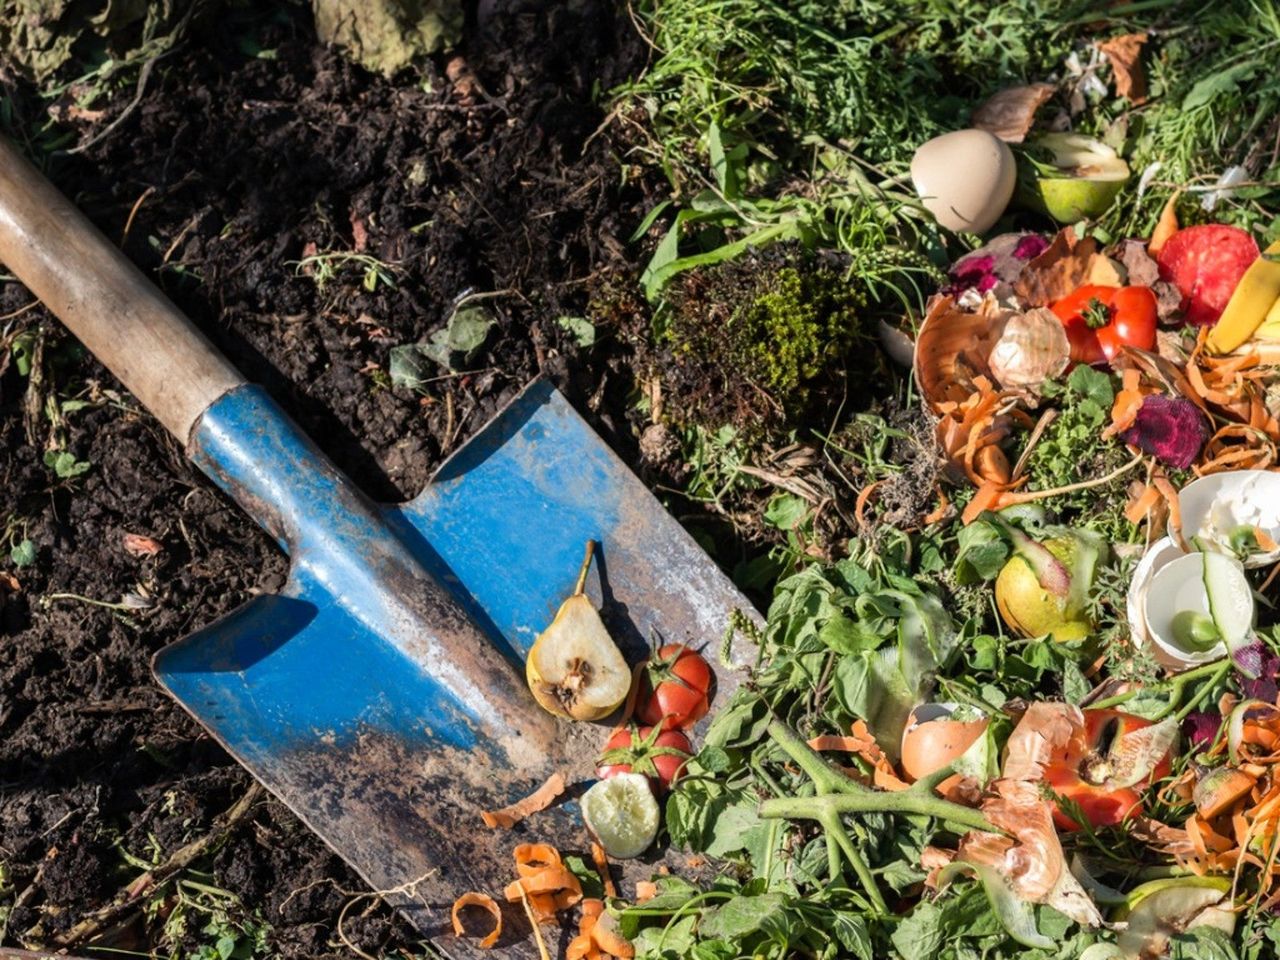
point(986, 498)
point(645, 890)
point(831, 741)
point(601, 860)
point(1265, 540)
point(473, 899)
point(1166, 226)
point(1171, 497)
point(598, 936)
point(860, 505)
point(540, 799)
point(1124, 411)
point(938, 513)
point(545, 883)
point(1139, 507)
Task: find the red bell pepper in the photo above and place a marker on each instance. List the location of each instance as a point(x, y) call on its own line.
point(1089, 769)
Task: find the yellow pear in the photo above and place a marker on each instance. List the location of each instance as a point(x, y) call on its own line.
point(1030, 610)
point(575, 669)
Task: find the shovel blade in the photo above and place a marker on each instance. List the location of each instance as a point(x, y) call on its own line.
point(360, 736)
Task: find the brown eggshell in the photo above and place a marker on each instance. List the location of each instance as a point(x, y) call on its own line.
point(930, 745)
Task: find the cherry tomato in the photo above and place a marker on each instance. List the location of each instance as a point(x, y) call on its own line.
point(677, 681)
point(1089, 770)
point(653, 752)
point(1101, 320)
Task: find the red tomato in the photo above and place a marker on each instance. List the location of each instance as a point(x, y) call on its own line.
point(657, 754)
point(677, 681)
point(1087, 769)
point(1206, 263)
point(1101, 320)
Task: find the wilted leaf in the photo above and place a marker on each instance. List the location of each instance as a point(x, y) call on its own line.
point(410, 366)
point(1140, 269)
point(24, 554)
point(581, 329)
point(1010, 113)
point(37, 37)
point(386, 35)
point(1123, 53)
point(451, 347)
point(1068, 263)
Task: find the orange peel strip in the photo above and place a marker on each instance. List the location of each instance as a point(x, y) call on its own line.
point(601, 860)
point(533, 858)
point(860, 505)
point(473, 899)
point(540, 799)
point(1139, 508)
point(1166, 226)
point(988, 497)
point(938, 513)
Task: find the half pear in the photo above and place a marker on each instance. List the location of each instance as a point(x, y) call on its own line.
point(575, 669)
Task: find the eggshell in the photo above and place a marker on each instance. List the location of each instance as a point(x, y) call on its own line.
point(1175, 587)
point(1161, 552)
point(965, 179)
point(1212, 505)
point(932, 739)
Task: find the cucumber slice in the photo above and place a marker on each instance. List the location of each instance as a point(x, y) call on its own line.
point(1230, 602)
point(622, 814)
point(1171, 909)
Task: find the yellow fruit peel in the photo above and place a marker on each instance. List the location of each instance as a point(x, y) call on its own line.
point(1251, 305)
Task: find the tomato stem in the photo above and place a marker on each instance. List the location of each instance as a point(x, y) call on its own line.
point(1097, 314)
point(838, 794)
point(580, 587)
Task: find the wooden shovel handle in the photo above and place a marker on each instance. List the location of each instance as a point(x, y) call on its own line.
point(105, 300)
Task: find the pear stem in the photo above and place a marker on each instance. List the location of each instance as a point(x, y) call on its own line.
point(580, 587)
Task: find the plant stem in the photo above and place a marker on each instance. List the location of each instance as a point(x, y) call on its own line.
point(838, 794)
point(581, 585)
point(864, 800)
point(1175, 683)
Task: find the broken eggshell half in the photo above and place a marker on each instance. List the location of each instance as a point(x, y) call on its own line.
point(1235, 512)
point(1178, 588)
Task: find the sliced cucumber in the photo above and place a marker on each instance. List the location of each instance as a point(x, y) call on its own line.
point(1230, 602)
point(1168, 910)
point(622, 814)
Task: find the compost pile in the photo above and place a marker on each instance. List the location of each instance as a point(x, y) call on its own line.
point(955, 335)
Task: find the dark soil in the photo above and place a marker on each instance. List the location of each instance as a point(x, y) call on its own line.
point(232, 168)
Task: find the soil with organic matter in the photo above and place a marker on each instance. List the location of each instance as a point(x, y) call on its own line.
point(309, 217)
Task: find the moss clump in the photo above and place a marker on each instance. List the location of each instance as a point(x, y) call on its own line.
point(761, 343)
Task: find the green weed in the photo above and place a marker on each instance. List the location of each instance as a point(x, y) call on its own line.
point(324, 267)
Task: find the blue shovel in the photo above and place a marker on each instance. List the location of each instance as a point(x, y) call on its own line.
point(380, 694)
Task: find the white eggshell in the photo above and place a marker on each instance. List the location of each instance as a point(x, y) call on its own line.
point(1213, 506)
point(1160, 553)
point(965, 179)
point(1177, 586)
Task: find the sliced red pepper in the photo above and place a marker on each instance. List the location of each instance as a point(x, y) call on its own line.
point(1100, 321)
point(1082, 771)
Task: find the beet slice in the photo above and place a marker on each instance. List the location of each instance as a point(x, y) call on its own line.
point(1206, 263)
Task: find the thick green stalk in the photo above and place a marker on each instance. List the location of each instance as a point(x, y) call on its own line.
point(839, 794)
